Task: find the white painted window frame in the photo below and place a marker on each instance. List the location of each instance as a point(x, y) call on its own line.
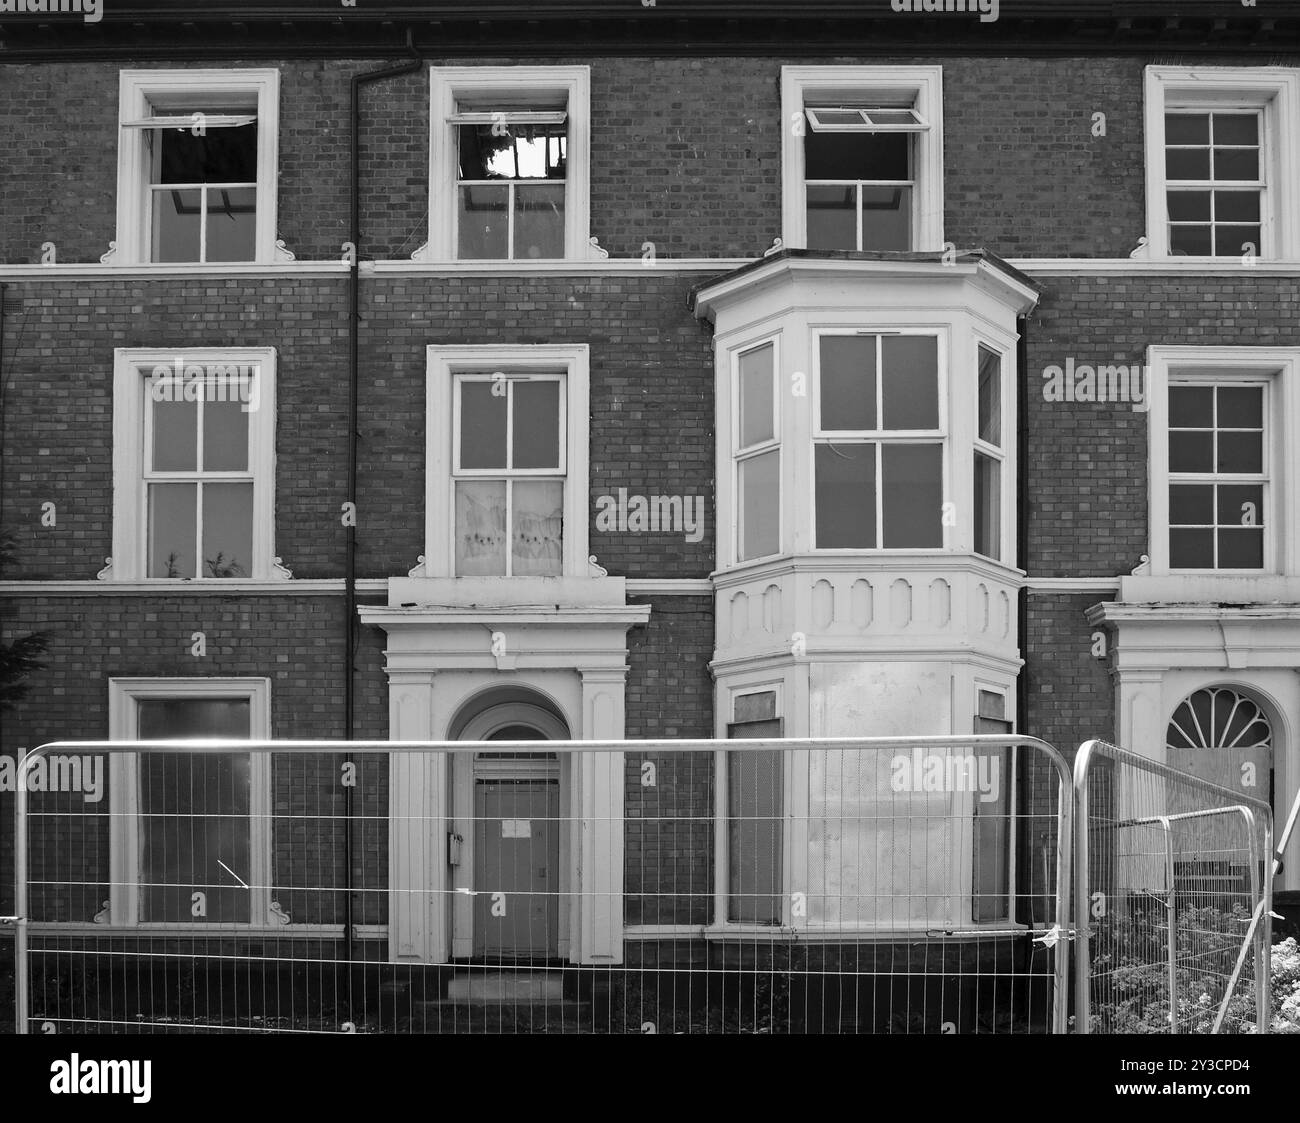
point(130, 505)
point(738, 456)
point(444, 363)
point(1279, 367)
point(1273, 90)
point(809, 85)
point(1003, 454)
point(124, 694)
point(942, 436)
point(512, 83)
point(136, 89)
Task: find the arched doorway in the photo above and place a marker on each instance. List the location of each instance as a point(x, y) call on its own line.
point(510, 809)
point(1222, 734)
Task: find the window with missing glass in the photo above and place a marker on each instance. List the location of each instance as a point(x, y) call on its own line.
point(859, 175)
point(509, 474)
point(878, 443)
point(1218, 474)
point(197, 166)
point(511, 183)
point(1215, 182)
point(991, 812)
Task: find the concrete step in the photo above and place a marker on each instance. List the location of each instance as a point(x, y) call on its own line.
point(506, 987)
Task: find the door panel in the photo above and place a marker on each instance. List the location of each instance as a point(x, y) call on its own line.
point(516, 868)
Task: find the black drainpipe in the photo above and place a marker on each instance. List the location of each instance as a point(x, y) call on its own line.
point(1023, 796)
point(350, 579)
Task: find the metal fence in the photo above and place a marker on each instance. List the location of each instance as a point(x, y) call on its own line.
point(1173, 895)
point(831, 885)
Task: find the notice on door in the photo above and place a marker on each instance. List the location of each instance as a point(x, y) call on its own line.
point(516, 828)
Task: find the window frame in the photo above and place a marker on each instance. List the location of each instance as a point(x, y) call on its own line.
point(752, 452)
point(444, 364)
point(942, 436)
point(752, 683)
point(124, 696)
point(1274, 92)
point(999, 454)
point(1279, 368)
point(136, 89)
point(508, 475)
point(447, 84)
point(130, 494)
point(807, 86)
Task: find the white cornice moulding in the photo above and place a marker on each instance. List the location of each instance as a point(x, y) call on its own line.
point(1072, 584)
point(302, 587)
point(200, 270)
point(1174, 267)
point(619, 265)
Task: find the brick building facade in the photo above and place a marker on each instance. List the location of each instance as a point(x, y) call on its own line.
point(670, 261)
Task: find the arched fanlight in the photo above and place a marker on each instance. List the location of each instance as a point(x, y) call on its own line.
point(1218, 717)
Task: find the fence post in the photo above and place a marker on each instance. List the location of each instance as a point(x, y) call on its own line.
point(21, 980)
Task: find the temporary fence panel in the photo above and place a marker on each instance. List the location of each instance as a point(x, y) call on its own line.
point(745, 885)
point(1173, 898)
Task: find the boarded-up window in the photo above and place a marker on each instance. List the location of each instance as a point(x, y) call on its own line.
point(754, 811)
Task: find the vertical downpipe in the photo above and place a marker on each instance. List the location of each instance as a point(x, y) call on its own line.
point(350, 579)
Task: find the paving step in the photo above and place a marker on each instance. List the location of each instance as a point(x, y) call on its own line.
point(506, 988)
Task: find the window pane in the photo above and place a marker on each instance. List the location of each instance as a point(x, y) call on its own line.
point(539, 222)
point(1190, 241)
point(1235, 241)
point(990, 397)
point(194, 814)
point(1191, 549)
point(1241, 548)
point(480, 528)
point(225, 431)
point(1236, 163)
point(1191, 504)
point(1183, 128)
point(172, 517)
point(232, 224)
point(1187, 163)
point(221, 155)
point(1189, 206)
point(845, 496)
point(756, 707)
point(1241, 504)
point(175, 445)
point(482, 223)
point(988, 504)
point(1236, 128)
point(538, 516)
point(536, 431)
point(759, 505)
point(483, 424)
point(854, 156)
point(227, 530)
point(1191, 451)
point(832, 218)
point(1237, 206)
point(887, 218)
point(176, 218)
point(910, 382)
point(1241, 407)
point(1240, 452)
point(847, 382)
point(912, 496)
point(1191, 407)
point(756, 391)
point(992, 850)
